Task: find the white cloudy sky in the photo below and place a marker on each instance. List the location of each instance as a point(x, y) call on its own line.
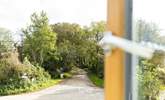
point(14, 14)
point(151, 11)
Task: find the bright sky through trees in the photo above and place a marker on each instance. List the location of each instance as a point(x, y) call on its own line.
point(14, 14)
point(150, 11)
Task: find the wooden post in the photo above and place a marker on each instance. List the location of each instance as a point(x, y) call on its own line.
point(114, 62)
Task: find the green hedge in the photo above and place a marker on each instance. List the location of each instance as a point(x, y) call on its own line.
point(11, 89)
point(16, 77)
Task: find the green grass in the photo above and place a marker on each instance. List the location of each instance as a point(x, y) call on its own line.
point(96, 80)
point(31, 88)
point(162, 87)
point(68, 75)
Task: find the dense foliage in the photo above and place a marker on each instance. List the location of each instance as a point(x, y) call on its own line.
point(150, 72)
point(48, 51)
point(61, 46)
point(78, 46)
point(149, 82)
point(40, 41)
point(15, 75)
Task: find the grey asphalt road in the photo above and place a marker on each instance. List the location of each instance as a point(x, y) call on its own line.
point(77, 88)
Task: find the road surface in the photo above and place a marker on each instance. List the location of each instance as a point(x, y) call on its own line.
point(79, 87)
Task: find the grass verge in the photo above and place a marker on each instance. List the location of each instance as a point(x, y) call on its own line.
point(96, 80)
point(7, 90)
point(162, 87)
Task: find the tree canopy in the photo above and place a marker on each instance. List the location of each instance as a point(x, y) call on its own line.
point(40, 40)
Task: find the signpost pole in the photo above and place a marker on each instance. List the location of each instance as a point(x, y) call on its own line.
point(114, 62)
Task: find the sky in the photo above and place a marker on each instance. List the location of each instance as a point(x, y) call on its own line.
point(150, 11)
point(15, 14)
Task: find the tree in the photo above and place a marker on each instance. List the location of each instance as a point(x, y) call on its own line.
point(150, 77)
point(78, 46)
point(69, 37)
point(40, 40)
point(6, 40)
point(95, 52)
point(150, 72)
point(148, 32)
point(97, 29)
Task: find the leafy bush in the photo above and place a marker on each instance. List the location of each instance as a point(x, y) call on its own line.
point(17, 76)
point(9, 89)
point(78, 46)
point(36, 72)
point(150, 76)
point(149, 82)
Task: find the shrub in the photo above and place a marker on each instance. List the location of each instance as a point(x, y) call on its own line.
point(17, 76)
point(151, 76)
point(149, 82)
point(35, 72)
